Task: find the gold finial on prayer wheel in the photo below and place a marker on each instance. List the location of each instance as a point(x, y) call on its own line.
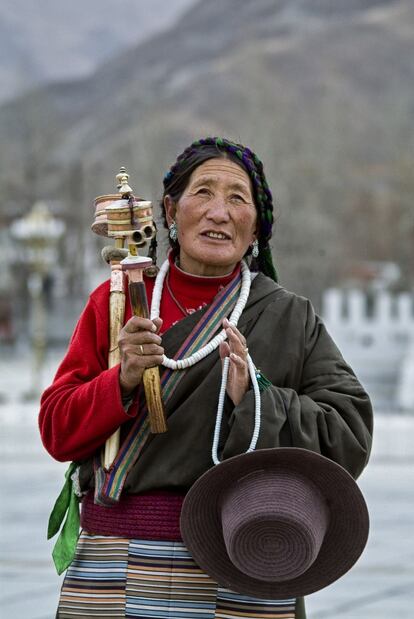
point(122, 182)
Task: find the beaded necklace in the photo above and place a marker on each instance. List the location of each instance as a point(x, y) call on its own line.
point(181, 364)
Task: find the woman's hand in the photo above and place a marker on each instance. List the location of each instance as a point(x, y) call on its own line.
point(235, 348)
point(140, 348)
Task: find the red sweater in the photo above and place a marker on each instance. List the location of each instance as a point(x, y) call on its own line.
point(83, 406)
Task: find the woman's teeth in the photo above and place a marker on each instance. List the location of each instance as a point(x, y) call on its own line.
point(216, 235)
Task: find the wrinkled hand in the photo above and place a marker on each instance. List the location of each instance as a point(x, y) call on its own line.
point(140, 348)
point(235, 348)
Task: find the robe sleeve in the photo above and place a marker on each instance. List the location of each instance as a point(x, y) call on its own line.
point(329, 412)
point(83, 406)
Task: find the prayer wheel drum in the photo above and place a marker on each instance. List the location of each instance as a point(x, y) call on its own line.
point(100, 223)
point(119, 218)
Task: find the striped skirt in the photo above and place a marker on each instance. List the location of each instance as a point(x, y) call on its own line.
point(119, 577)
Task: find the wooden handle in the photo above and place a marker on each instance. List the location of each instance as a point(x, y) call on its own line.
point(116, 320)
point(151, 377)
point(117, 311)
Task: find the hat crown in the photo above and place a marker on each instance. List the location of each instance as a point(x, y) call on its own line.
point(274, 523)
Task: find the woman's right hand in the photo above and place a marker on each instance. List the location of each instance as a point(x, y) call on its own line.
point(140, 348)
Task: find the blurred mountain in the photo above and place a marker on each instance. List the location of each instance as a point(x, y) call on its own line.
point(322, 90)
point(47, 40)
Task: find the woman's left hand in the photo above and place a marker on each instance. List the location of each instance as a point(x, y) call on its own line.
point(235, 348)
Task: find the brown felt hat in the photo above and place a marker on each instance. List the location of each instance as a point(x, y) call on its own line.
point(275, 523)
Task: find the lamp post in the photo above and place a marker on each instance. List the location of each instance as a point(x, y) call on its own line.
point(38, 233)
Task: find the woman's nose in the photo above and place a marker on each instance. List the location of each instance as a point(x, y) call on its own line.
point(218, 209)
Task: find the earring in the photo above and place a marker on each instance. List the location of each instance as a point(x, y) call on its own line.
point(255, 248)
point(173, 231)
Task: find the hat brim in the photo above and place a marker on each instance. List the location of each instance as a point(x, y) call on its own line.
point(344, 541)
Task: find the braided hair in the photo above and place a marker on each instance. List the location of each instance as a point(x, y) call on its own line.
point(176, 180)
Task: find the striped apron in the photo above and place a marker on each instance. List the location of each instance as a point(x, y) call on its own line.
point(120, 577)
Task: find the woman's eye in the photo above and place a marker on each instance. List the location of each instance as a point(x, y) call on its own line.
point(237, 198)
point(203, 191)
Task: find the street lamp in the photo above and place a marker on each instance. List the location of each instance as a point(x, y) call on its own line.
point(38, 232)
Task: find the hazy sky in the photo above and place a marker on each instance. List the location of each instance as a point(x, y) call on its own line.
point(43, 40)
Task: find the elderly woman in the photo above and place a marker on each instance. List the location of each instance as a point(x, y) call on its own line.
point(130, 559)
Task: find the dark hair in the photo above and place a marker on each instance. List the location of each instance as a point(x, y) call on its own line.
point(176, 180)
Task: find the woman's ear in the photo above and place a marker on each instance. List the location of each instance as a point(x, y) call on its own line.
point(170, 209)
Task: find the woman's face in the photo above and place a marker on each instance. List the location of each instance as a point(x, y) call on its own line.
point(216, 218)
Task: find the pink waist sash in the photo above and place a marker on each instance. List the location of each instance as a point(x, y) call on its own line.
point(153, 515)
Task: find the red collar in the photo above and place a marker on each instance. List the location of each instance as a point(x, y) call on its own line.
point(194, 291)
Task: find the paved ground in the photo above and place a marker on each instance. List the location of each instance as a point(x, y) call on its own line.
point(380, 586)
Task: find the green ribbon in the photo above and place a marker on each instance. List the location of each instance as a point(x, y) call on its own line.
point(67, 504)
point(263, 382)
